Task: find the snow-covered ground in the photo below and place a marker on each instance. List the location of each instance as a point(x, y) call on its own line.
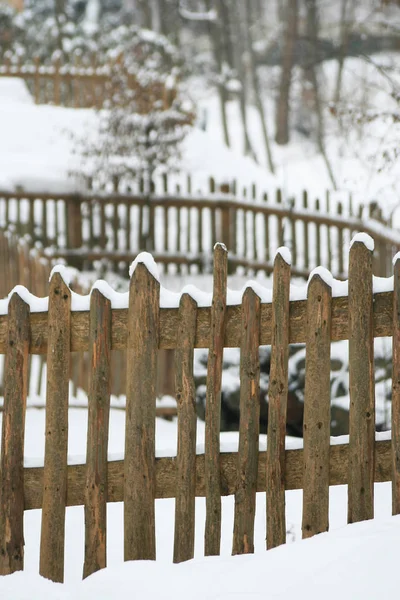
point(350, 562)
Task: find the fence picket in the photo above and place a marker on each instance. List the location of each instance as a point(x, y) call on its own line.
point(212, 538)
point(13, 434)
point(277, 405)
point(317, 409)
point(362, 390)
point(396, 391)
point(142, 354)
point(97, 436)
point(247, 467)
point(56, 444)
point(187, 419)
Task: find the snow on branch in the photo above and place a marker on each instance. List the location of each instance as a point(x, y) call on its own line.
point(208, 15)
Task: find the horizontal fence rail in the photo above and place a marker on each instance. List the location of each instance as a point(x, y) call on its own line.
point(80, 85)
point(142, 328)
point(181, 229)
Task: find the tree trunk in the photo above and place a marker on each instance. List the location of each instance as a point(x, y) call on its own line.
point(311, 75)
point(240, 58)
point(215, 29)
point(283, 105)
point(252, 69)
point(347, 6)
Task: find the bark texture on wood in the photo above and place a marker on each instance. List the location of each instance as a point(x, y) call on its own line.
point(166, 481)
point(362, 388)
point(396, 392)
point(212, 536)
point(277, 405)
point(245, 494)
point(97, 435)
point(142, 354)
point(317, 409)
point(12, 442)
point(382, 323)
point(187, 419)
point(56, 444)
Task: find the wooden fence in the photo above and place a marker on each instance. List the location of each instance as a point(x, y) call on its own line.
point(81, 85)
point(181, 228)
point(142, 328)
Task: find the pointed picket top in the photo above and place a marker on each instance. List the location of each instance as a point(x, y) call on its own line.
point(363, 238)
point(284, 253)
point(63, 272)
point(146, 259)
point(320, 274)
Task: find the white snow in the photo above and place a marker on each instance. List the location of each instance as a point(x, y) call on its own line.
point(363, 238)
point(324, 274)
point(63, 271)
point(285, 254)
point(146, 259)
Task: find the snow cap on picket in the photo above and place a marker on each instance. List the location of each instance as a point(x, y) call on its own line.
point(365, 239)
point(324, 274)
point(146, 259)
point(63, 271)
point(285, 254)
point(396, 257)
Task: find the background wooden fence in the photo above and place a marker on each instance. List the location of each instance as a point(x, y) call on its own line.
point(142, 328)
point(81, 85)
point(181, 228)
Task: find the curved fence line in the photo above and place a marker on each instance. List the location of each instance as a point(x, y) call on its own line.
point(97, 228)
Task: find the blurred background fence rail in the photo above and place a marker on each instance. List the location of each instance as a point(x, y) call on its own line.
point(180, 228)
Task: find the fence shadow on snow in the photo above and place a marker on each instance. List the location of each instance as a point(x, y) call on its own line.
point(329, 311)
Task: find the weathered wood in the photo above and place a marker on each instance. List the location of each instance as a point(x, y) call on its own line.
point(212, 535)
point(277, 405)
point(317, 409)
point(362, 388)
point(166, 480)
point(382, 321)
point(187, 420)
point(97, 435)
point(245, 494)
point(142, 343)
point(56, 434)
point(396, 391)
point(13, 434)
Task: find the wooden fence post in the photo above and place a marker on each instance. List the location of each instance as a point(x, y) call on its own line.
point(74, 229)
point(317, 409)
point(142, 354)
point(187, 418)
point(97, 437)
point(56, 446)
point(212, 537)
point(277, 405)
point(362, 388)
point(13, 434)
point(247, 469)
point(396, 391)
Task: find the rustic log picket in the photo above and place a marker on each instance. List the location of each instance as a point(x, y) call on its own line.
point(13, 434)
point(362, 388)
point(97, 438)
point(56, 435)
point(317, 409)
point(187, 419)
point(277, 405)
point(245, 493)
point(212, 538)
point(142, 354)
